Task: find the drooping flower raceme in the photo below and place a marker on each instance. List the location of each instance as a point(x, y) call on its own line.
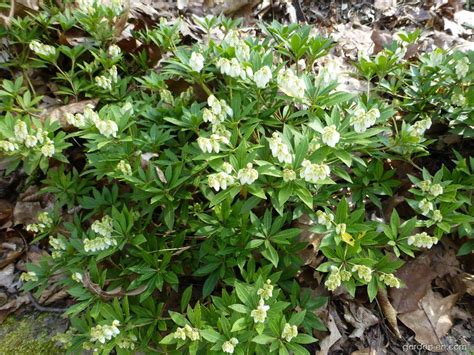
point(260, 313)
point(8, 146)
point(103, 333)
point(21, 131)
point(279, 149)
point(288, 175)
point(266, 291)
point(124, 167)
point(314, 173)
point(289, 332)
point(229, 345)
point(247, 175)
point(220, 180)
point(114, 51)
point(361, 120)
point(211, 144)
point(291, 84)
point(103, 82)
point(29, 276)
point(364, 272)
point(422, 240)
point(390, 280)
point(191, 333)
point(330, 136)
point(107, 128)
point(462, 67)
point(436, 190)
point(325, 218)
point(333, 280)
point(262, 77)
point(42, 49)
point(196, 62)
point(425, 206)
point(48, 149)
point(103, 227)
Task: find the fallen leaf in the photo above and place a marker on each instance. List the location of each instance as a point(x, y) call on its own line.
point(7, 276)
point(6, 210)
point(332, 338)
point(109, 295)
point(12, 306)
point(360, 318)
point(432, 320)
point(309, 254)
point(384, 5)
point(388, 311)
point(26, 212)
point(10, 250)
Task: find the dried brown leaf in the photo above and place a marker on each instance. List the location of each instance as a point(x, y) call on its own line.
point(360, 318)
point(7, 276)
point(388, 311)
point(12, 306)
point(332, 338)
point(109, 295)
point(10, 250)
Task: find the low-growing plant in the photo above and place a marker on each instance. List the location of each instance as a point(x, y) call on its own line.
point(190, 177)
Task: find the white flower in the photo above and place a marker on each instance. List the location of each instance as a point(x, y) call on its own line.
point(279, 149)
point(90, 116)
point(229, 345)
point(364, 272)
point(362, 120)
point(419, 127)
point(266, 291)
point(227, 168)
point(334, 279)
point(220, 181)
point(242, 51)
point(314, 173)
point(8, 146)
point(341, 228)
point(196, 62)
point(289, 332)
point(48, 149)
point(124, 168)
point(232, 38)
point(103, 82)
point(29, 276)
point(235, 70)
point(288, 175)
point(31, 141)
point(212, 144)
point(260, 313)
point(191, 333)
point(437, 216)
point(262, 77)
point(371, 116)
point(224, 65)
point(107, 128)
point(290, 84)
point(21, 131)
point(113, 74)
point(114, 51)
point(102, 333)
point(422, 240)
point(98, 244)
point(436, 190)
point(425, 206)
point(77, 276)
point(436, 58)
point(390, 280)
point(458, 99)
point(425, 185)
point(42, 49)
point(180, 333)
point(325, 218)
point(462, 67)
point(330, 136)
point(57, 243)
point(247, 175)
point(86, 6)
point(104, 227)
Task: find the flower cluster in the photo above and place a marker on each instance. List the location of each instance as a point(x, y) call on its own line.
point(362, 120)
point(196, 62)
point(29, 276)
point(260, 313)
point(262, 77)
point(247, 175)
point(280, 150)
point(289, 175)
point(462, 67)
point(330, 136)
point(216, 114)
point(325, 219)
point(124, 168)
point(266, 291)
point(187, 332)
point(127, 342)
point(58, 245)
point(105, 81)
point(22, 135)
point(114, 51)
point(44, 221)
point(314, 173)
point(103, 228)
point(220, 180)
point(103, 333)
point(422, 240)
point(419, 128)
point(290, 84)
point(289, 332)
point(425, 206)
point(390, 280)
point(364, 272)
point(229, 345)
point(42, 49)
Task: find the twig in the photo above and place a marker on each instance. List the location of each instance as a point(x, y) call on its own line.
point(41, 308)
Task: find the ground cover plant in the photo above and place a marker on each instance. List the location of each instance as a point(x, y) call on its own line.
point(180, 185)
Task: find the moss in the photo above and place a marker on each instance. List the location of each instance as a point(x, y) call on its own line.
point(28, 335)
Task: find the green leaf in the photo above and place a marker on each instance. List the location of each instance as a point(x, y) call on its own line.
point(210, 335)
point(304, 339)
point(239, 308)
point(239, 324)
point(263, 339)
point(178, 318)
point(271, 255)
point(186, 297)
point(243, 293)
point(169, 339)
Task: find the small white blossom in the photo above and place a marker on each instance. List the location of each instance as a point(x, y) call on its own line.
point(8, 146)
point(279, 149)
point(458, 100)
point(291, 84)
point(227, 168)
point(220, 180)
point(242, 51)
point(262, 77)
point(247, 175)
point(436, 190)
point(266, 291)
point(232, 38)
point(437, 216)
point(191, 333)
point(180, 333)
point(77, 276)
point(425, 206)
point(211, 144)
point(325, 218)
point(31, 141)
point(103, 82)
point(314, 173)
point(102, 333)
point(29, 276)
point(422, 240)
point(98, 244)
point(260, 313)
point(21, 131)
point(330, 136)
point(196, 62)
point(288, 175)
point(289, 332)
point(333, 281)
point(419, 127)
point(42, 49)
point(113, 73)
point(364, 272)
point(114, 51)
point(229, 345)
point(104, 227)
point(57, 243)
point(425, 185)
point(107, 127)
point(48, 149)
point(124, 168)
point(390, 280)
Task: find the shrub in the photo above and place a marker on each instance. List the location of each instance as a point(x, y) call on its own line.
point(194, 173)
